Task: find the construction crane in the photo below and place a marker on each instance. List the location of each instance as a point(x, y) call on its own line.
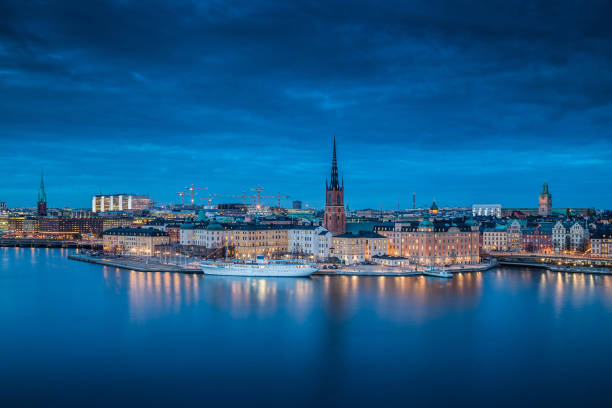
point(209, 199)
point(181, 194)
point(244, 196)
point(258, 189)
point(278, 197)
point(192, 189)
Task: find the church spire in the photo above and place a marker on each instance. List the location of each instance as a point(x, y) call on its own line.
point(42, 196)
point(334, 184)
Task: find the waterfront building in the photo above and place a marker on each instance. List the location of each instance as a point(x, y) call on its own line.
point(15, 224)
point(357, 248)
point(116, 222)
point(433, 242)
point(537, 238)
point(174, 233)
point(244, 241)
point(572, 236)
point(334, 217)
point(133, 241)
point(601, 241)
point(514, 236)
point(495, 238)
point(42, 198)
point(187, 234)
point(545, 202)
point(310, 241)
point(560, 235)
point(30, 226)
point(250, 240)
point(578, 237)
point(69, 227)
point(4, 221)
point(487, 210)
point(119, 202)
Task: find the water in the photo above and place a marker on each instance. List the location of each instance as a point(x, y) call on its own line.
point(80, 334)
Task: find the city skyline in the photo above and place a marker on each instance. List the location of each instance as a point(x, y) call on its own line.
point(471, 104)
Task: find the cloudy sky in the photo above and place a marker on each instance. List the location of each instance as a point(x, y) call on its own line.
point(463, 101)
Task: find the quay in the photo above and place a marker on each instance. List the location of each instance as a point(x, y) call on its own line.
point(379, 270)
point(47, 243)
point(558, 263)
point(138, 265)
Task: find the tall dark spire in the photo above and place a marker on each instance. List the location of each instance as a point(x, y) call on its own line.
point(42, 196)
point(334, 184)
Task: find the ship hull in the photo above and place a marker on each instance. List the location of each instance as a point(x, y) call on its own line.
point(258, 270)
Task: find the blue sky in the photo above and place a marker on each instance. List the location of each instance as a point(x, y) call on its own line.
point(459, 100)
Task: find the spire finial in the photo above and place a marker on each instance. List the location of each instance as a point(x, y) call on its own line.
point(42, 196)
point(334, 183)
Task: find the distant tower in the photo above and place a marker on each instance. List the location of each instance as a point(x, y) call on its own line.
point(335, 219)
point(42, 197)
point(545, 203)
point(433, 210)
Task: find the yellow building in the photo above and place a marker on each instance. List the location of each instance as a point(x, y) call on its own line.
point(133, 241)
point(357, 248)
point(248, 241)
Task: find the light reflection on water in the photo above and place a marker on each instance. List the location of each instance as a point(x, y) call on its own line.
point(413, 299)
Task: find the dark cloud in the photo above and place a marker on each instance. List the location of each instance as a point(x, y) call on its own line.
point(457, 99)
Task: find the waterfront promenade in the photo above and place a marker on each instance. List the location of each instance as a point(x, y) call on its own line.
point(48, 243)
point(152, 264)
point(137, 264)
point(556, 262)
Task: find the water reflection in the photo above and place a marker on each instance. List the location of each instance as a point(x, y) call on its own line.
point(243, 297)
point(571, 289)
point(401, 299)
point(153, 294)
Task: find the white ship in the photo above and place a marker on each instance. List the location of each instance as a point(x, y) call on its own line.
point(260, 268)
point(438, 273)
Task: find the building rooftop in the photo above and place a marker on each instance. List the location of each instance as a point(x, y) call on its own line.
point(150, 232)
point(360, 234)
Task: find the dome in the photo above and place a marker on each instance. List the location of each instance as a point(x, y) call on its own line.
point(426, 223)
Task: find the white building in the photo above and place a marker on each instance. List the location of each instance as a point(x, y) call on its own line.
point(310, 240)
point(487, 210)
point(495, 239)
point(578, 237)
point(560, 236)
point(515, 236)
point(207, 236)
point(134, 241)
point(569, 236)
point(119, 202)
point(601, 242)
point(358, 248)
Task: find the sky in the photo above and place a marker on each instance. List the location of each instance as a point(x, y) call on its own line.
point(462, 101)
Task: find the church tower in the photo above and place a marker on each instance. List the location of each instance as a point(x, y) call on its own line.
point(335, 219)
point(42, 197)
point(545, 202)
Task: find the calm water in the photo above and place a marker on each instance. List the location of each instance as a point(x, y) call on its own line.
point(72, 332)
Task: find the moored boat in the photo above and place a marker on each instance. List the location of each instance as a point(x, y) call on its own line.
point(260, 267)
point(437, 273)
